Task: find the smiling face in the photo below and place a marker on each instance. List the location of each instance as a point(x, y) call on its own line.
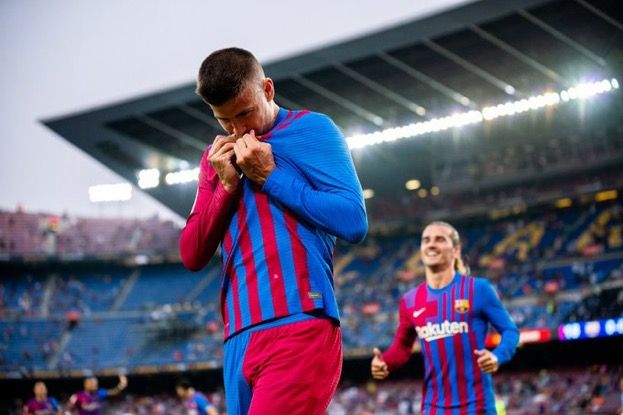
point(252, 109)
point(437, 248)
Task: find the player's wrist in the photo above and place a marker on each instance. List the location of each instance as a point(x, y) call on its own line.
point(230, 186)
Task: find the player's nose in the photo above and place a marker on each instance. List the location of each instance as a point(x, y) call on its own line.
point(240, 129)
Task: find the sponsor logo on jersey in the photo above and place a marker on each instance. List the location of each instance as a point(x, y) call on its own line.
point(461, 306)
point(436, 331)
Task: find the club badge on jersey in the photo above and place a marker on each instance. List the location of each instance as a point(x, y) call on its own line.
point(461, 306)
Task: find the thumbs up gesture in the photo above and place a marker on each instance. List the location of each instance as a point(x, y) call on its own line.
point(378, 365)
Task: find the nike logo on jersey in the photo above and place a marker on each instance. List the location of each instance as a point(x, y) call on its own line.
point(436, 331)
point(417, 313)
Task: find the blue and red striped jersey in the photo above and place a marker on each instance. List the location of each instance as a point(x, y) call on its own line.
point(49, 406)
point(87, 403)
point(277, 241)
point(197, 404)
point(450, 323)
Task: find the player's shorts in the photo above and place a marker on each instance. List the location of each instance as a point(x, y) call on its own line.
point(288, 369)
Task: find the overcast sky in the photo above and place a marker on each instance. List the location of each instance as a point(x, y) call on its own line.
point(62, 56)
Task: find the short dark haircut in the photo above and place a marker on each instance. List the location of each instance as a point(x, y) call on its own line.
point(224, 73)
point(184, 384)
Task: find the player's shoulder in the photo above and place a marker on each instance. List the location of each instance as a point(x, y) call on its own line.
point(481, 283)
point(199, 394)
point(484, 289)
point(409, 296)
point(310, 119)
point(200, 398)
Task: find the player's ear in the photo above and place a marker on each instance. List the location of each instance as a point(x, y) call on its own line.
point(269, 89)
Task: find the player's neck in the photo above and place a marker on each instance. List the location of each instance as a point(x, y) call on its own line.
point(275, 109)
point(40, 398)
point(439, 279)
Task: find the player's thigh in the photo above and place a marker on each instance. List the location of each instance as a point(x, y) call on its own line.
point(237, 390)
point(301, 374)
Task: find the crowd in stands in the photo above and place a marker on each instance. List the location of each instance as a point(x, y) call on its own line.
point(24, 234)
point(587, 390)
point(511, 157)
point(410, 206)
point(556, 266)
point(582, 390)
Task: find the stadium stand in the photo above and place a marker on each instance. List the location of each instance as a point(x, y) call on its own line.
point(550, 267)
point(571, 391)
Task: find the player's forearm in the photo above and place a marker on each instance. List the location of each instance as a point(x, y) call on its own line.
point(401, 349)
point(340, 212)
point(205, 228)
point(398, 354)
point(117, 389)
point(508, 344)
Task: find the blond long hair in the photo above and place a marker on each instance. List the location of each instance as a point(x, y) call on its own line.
point(459, 264)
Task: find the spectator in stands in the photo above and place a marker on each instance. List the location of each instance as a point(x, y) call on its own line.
point(450, 313)
point(42, 404)
point(275, 193)
point(195, 403)
point(89, 401)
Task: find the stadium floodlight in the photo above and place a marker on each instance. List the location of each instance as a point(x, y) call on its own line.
point(422, 193)
point(581, 91)
point(148, 178)
point(368, 193)
point(118, 192)
point(415, 129)
point(434, 191)
point(182, 176)
point(413, 184)
point(151, 177)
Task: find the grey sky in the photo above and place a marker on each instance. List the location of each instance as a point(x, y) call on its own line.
point(60, 56)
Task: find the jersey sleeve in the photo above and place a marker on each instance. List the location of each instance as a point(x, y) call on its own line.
point(400, 351)
point(54, 404)
point(331, 198)
point(208, 220)
point(102, 394)
point(500, 319)
point(202, 402)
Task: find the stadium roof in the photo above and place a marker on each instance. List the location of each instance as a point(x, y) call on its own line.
point(480, 54)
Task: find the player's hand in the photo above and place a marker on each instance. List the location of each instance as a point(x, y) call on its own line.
point(254, 157)
point(221, 157)
point(123, 381)
point(487, 361)
point(378, 366)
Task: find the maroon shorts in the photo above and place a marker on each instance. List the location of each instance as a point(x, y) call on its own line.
point(288, 369)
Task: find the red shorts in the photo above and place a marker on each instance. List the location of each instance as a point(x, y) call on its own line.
point(288, 369)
